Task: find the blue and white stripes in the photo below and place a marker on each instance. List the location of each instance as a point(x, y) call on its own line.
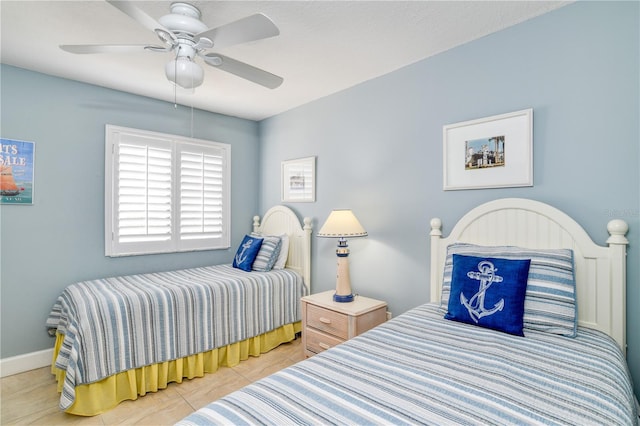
point(116, 324)
point(550, 300)
point(422, 369)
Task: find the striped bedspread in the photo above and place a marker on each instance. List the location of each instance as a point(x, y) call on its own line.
point(422, 369)
point(116, 324)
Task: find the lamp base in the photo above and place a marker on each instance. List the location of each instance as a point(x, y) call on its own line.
point(343, 292)
point(343, 298)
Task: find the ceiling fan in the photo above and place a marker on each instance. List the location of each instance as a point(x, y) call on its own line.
point(182, 32)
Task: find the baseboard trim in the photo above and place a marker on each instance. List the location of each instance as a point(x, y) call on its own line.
point(21, 363)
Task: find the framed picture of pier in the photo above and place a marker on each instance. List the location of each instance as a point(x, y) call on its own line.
point(492, 152)
point(299, 180)
point(16, 171)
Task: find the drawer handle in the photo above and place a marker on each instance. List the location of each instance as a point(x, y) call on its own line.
point(324, 345)
point(325, 320)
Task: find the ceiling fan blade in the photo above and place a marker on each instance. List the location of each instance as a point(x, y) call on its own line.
point(103, 48)
point(251, 28)
point(243, 70)
point(142, 18)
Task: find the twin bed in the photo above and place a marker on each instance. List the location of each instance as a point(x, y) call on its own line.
point(567, 367)
point(421, 368)
point(121, 337)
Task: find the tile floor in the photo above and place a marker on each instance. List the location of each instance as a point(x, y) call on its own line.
point(31, 398)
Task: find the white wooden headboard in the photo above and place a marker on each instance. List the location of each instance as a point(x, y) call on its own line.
point(280, 220)
point(600, 271)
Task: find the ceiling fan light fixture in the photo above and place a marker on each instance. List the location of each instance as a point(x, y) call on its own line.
point(184, 72)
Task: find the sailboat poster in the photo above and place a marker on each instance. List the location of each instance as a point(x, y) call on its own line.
point(16, 171)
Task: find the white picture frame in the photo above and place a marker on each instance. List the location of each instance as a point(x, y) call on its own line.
point(491, 152)
point(298, 180)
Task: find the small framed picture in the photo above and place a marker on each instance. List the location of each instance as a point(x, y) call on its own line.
point(298, 180)
point(492, 152)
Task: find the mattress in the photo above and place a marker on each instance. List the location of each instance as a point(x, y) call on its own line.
point(121, 323)
point(422, 369)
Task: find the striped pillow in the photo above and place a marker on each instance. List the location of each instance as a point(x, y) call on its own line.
point(550, 299)
point(268, 253)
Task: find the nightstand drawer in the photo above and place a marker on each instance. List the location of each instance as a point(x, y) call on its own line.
point(318, 341)
point(329, 321)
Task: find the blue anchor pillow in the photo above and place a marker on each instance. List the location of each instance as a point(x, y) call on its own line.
point(488, 292)
point(247, 252)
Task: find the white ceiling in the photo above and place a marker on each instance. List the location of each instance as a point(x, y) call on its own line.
point(323, 46)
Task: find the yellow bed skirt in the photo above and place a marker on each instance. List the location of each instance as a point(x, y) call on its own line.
point(96, 398)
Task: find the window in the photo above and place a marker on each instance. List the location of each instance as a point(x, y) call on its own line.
point(164, 193)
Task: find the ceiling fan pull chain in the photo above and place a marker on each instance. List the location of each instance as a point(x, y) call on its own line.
point(192, 116)
point(175, 86)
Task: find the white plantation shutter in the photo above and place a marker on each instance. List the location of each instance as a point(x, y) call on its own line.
point(164, 193)
point(143, 193)
point(202, 184)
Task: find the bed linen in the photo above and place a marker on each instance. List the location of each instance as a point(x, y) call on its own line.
point(420, 368)
point(118, 324)
point(98, 397)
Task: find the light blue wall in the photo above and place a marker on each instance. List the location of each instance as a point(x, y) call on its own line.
point(379, 145)
point(60, 239)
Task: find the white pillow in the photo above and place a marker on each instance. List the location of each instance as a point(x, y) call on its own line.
point(284, 252)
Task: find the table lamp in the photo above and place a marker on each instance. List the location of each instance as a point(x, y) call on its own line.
point(342, 224)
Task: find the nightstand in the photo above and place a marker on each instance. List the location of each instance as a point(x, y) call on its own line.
point(326, 323)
